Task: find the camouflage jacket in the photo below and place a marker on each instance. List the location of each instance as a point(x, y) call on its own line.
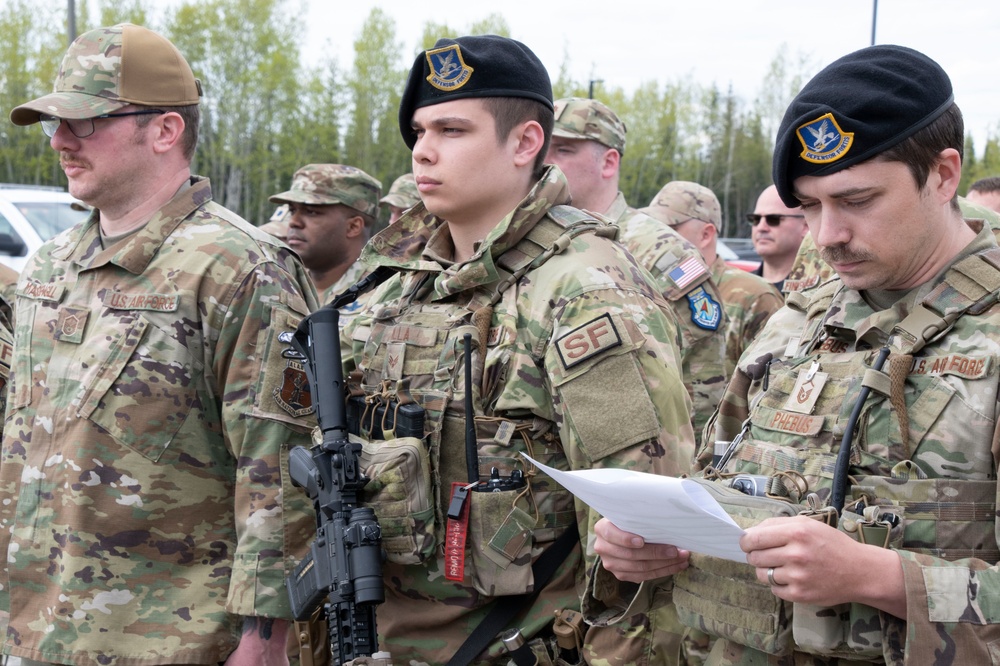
point(686, 282)
point(580, 371)
point(145, 452)
point(355, 273)
point(924, 449)
point(748, 301)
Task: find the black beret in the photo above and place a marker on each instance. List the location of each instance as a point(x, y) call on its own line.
point(467, 67)
point(855, 108)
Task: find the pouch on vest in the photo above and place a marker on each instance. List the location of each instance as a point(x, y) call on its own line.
point(850, 631)
point(724, 598)
point(401, 494)
point(501, 538)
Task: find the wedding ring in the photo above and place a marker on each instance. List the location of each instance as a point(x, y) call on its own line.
point(770, 578)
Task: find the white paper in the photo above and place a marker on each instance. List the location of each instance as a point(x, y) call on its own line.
point(660, 509)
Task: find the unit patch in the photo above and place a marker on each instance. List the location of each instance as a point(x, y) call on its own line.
point(587, 341)
point(448, 69)
point(823, 141)
point(705, 312)
point(294, 395)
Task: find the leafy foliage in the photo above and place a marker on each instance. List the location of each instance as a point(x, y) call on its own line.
point(266, 113)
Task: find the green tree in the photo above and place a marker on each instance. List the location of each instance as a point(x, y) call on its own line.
point(34, 40)
point(372, 141)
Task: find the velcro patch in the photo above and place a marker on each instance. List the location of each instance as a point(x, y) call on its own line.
point(799, 424)
point(71, 324)
point(117, 300)
point(38, 291)
point(968, 367)
point(706, 313)
point(584, 342)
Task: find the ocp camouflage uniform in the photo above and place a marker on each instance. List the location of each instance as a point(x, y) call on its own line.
point(580, 372)
point(924, 451)
point(145, 456)
point(686, 282)
point(749, 301)
point(354, 274)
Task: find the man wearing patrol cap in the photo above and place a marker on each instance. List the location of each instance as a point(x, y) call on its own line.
point(402, 196)
point(151, 405)
point(588, 142)
point(332, 209)
point(571, 360)
point(893, 364)
point(693, 211)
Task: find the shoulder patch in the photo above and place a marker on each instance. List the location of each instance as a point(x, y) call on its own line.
point(589, 340)
point(706, 313)
point(687, 272)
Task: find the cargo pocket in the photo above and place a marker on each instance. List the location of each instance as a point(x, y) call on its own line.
point(400, 493)
point(144, 390)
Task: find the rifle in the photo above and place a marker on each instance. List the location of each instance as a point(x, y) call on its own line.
point(344, 563)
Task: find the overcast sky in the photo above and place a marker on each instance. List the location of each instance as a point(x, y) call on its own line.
point(628, 42)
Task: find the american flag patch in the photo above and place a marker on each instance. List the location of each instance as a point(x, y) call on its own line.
point(689, 271)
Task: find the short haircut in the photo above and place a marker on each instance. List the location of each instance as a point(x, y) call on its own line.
point(920, 151)
point(191, 115)
point(991, 184)
point(509, 112)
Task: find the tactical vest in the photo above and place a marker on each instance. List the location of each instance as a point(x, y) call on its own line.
point(808, 396)
point(415, 352)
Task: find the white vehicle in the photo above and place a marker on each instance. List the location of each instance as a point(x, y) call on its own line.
point(30, 215)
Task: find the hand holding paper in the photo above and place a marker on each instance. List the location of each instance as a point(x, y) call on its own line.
point(661, 509)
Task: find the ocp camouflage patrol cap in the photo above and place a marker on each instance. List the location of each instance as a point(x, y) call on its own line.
point(329, 184)
point(403, 193)
point(681, 200)
point(107, 69)
point(471, 67)
point(582, 118)
point(855, 108)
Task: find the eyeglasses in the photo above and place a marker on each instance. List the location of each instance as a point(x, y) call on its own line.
point(84, 127)
point(772, 220)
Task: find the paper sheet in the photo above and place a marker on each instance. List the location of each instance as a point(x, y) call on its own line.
point(661, 509)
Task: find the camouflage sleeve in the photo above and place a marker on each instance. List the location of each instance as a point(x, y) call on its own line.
point(614, 374)
point(765, 305)
point(264, 416)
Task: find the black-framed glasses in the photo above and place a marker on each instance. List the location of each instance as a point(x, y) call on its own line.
point(84, 127)
point(772, 220)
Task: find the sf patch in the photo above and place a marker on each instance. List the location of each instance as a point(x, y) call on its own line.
point(705, 312)
point(448, 69)
point(583, 342)
point(823, 141)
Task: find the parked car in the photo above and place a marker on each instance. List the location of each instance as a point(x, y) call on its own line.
point(732, 257)
point(30, 215)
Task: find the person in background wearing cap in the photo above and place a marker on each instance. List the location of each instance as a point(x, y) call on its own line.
point(986, 192)
point(776, 230)
point(149, 517)
point(693, 211)
point(333, 208)
point(402, 196)
point(277, 224)
point(588, 142)
point(870, 151)
point(571, 358)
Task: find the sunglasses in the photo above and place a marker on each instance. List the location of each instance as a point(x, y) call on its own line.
point(772, 220)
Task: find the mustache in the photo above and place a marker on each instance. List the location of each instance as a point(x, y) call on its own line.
point(841, 254)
